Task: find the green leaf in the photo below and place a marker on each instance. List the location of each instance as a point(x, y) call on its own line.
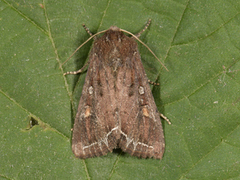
point(199, 43)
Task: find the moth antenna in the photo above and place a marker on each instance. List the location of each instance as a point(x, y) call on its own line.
point(84, 43)
point(144, 45)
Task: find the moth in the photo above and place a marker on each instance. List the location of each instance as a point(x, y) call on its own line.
point(117, 108)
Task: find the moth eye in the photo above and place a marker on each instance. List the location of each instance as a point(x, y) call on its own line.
point(90, 90)
point(141, 90)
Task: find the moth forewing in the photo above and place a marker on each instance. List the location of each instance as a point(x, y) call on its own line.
point(117, 108)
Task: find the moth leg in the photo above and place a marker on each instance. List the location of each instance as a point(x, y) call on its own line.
point(165, 118)
point(153, 83)
point(139, 34)
point(161, 115)
point(78, 71)
point(88, 31)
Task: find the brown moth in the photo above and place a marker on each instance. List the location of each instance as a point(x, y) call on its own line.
point(117, 108)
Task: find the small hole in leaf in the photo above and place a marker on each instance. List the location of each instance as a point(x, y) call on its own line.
point(32, 122)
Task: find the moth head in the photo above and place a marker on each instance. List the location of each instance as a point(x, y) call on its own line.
point(114, 28)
